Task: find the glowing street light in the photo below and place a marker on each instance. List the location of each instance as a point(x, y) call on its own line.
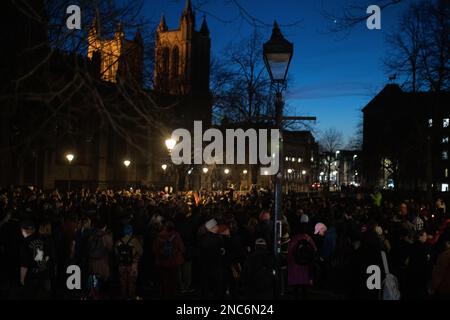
point(170, 144)
point(303, 172)
point(70, 157)
point(127, 163)
point(164, 167)
point(245, 171)
point(226, 171)
point(205, 170)
point(290, 171)
point(322, 174)
point(355, 156)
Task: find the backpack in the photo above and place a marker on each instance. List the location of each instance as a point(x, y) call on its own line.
point(125, 253)
point(304, 253)
point(97, 248)
point(389, 286)
point(167, 250)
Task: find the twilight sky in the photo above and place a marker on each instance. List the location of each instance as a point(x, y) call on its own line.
point(333, 77)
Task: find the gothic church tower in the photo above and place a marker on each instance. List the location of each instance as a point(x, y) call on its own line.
point(182, 56)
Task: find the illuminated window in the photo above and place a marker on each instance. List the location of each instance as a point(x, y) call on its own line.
point(430, 123)
point(444, 187)
point(445, 155)
point(445, 139)
point(446, 172)
point(446, 122)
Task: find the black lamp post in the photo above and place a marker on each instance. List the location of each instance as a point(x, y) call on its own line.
point(277, 58)
point(70, 157)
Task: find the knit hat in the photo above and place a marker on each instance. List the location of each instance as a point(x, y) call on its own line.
point(320, 227)
point(264, 216)
point(304, 218)
point(211, 224)
point(379, 230)
point(128, 230)
point(27, 224)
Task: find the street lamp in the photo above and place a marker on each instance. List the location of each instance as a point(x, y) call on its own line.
point(226, 171)
point(170, 144)
point(303, 172)
point(277, 54)
point(164, 167)
point(245, 171)
point(127, 163)
point(290, 171)
point(205, 170)
point(70, 158)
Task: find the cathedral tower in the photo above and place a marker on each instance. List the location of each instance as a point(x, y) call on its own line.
point(182, 57)
point(119, 57)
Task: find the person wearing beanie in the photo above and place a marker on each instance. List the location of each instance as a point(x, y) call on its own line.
point(265, 227)
point(300, 276)
point(128, 252)
point(211, 246)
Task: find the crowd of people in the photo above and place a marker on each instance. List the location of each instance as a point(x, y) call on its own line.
point(144, 244)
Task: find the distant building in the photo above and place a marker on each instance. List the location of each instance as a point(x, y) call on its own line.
point(348, 168)
point(406, 140)
point(301, 156)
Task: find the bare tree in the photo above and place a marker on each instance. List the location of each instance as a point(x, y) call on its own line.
point(419, 49)
point(330, 141)
point(241, 85)
point(355, 142)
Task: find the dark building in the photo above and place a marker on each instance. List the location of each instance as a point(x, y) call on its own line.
point(406, 140)
point(35, 141)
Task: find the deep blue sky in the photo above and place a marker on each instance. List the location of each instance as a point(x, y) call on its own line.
point(331, 78)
